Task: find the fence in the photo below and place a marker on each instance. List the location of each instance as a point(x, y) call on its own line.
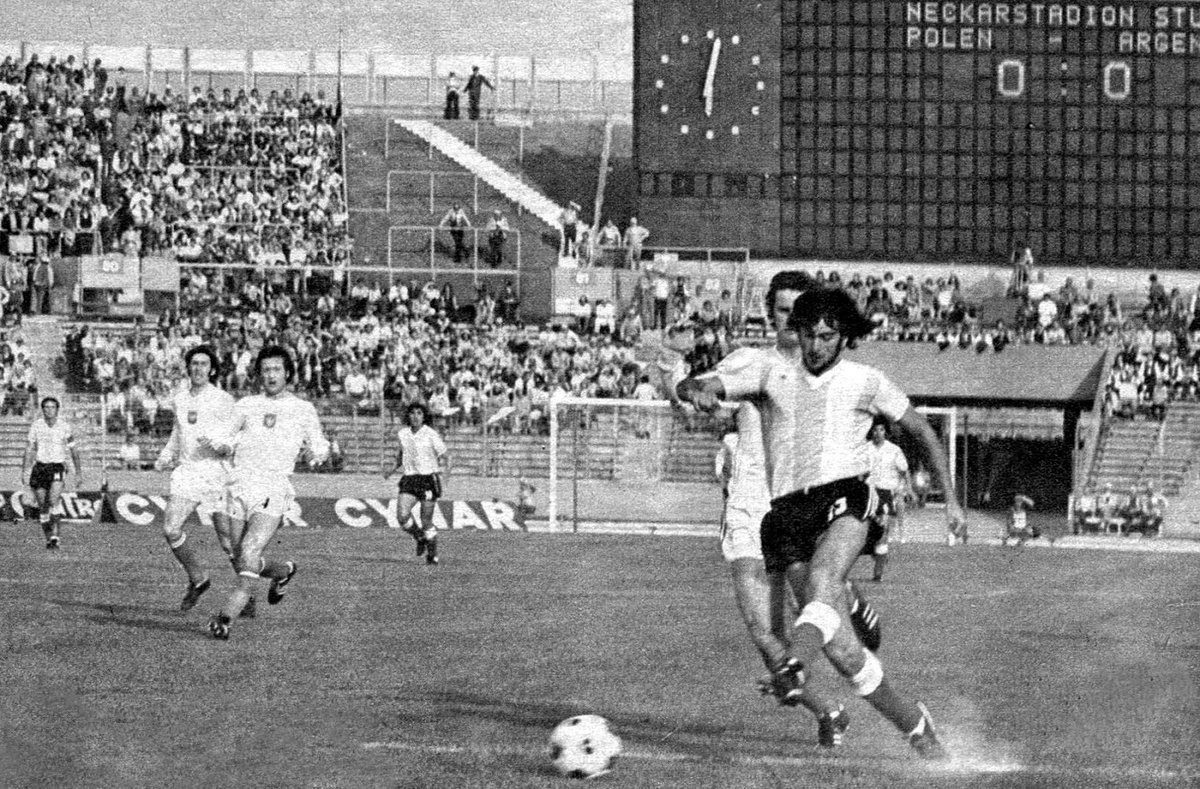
point(584, 83)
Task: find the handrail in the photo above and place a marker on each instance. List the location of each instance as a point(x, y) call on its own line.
point(433, 230)
point(432, 178)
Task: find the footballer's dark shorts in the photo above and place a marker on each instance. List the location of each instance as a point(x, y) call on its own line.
point(44, 475)
point(797, 522)
point(887, 503)
point(422, 487)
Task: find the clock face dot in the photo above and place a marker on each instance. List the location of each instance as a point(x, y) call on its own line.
point(754, 110)
point(684, 39)
point(735, 40)
point(658, 83)
point(760, 85)
point(710, 34)
point(708, 135)
point(756, 60)
point(683, 129)
point(734, 130)
point(664, 109)
point(665, 59)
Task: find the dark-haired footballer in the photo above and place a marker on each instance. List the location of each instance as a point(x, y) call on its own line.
point(45, 465)
point(421, 458)
point(269, 431)
point(817, 409)
point(199, 474)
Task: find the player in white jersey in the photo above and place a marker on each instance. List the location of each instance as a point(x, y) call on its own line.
point(422, 459)
point(45, 465)
point(816, 411)
point(762, 597)
point(268, 432)
point(889, 477)
point(199, 474)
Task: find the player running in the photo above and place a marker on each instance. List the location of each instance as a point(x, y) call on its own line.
point(45, 465)
point(199, 474)
point(268, 432)
point(816, 411)
point(762, 596)
point(421, 457)
point(889, 477)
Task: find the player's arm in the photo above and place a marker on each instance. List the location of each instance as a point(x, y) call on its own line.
point(76, 462)
point(917, 426)
point(396, 465)
point(30, 456)
point(223, 439)
point(704, 393)
point(443, 454)
point(314, 437)
point(170, 451)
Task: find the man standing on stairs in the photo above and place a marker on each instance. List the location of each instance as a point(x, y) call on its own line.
point(497, 230)
point(457, 220)
point(453, 87)
point(475, 84)
point(43, 281)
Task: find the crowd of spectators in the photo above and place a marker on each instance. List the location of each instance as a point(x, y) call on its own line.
point(234, 179)
point(1140, 511)
point(370, 350)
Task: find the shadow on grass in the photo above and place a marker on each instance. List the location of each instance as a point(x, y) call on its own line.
point(125, 615)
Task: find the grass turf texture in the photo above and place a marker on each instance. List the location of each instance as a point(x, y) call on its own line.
point(1042, 667)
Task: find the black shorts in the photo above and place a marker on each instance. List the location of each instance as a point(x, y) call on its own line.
point(887, 503)
point(46, 474)
point(422, 487)
point(796, 522)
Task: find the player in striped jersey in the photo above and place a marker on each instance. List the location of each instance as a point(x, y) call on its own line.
point(45, 465)
point(422, 458)
point(199, 475)
point(269, 432)
point(817, 409)
point(761, 596)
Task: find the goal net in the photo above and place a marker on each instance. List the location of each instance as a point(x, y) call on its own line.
point(657, 461)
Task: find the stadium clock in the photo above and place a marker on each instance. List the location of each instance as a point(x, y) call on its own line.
point(710, 81)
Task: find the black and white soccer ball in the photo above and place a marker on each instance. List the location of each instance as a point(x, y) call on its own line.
point(584, 747)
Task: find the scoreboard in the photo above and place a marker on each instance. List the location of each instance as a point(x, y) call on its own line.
point(942, 131)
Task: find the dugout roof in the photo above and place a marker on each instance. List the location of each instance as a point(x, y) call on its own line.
point(1026, 376)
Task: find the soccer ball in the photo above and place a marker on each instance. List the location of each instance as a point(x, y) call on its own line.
point(584, 747)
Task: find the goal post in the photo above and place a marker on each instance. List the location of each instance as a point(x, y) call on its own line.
point(640, 444)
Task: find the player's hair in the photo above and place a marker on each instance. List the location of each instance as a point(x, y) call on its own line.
point(276, 352)
point(424, 409)
point(879, 421)
point(214, 363)
point(836, 308)
point(49, 399)
point(788, 280)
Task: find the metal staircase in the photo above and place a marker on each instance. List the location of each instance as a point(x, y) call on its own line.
point(488, 171)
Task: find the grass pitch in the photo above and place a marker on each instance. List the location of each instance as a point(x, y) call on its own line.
point(1042, 667)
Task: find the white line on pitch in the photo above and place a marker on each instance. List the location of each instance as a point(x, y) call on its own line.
point(957, 765)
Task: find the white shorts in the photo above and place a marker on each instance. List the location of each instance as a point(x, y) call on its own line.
point(741, 533)
point(270, 495)
point(206, 485)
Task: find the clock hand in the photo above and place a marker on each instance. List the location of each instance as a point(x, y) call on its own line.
point(711, 76)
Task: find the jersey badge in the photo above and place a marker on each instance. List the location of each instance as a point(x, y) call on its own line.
point(192, 416)
point(268, 420)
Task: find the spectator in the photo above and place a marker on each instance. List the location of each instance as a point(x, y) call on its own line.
point(662, 294)
point(475, 85)
point(635, 235)
point(569, 219)
point(497, 230)
point(130, 454)
point(453, 87)
point(457, 220)
point(42, 280)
